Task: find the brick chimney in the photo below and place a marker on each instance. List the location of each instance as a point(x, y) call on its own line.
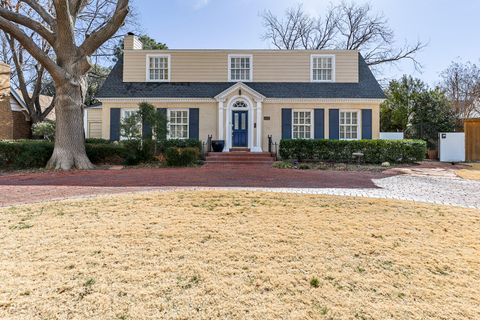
point(6, 119)
point(131, 42)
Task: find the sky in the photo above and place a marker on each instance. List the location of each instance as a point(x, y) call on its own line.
point(450, 27)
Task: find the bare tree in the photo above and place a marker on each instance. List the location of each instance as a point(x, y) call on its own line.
point(461, 83)
point(348, 26)
point(28, 75)
point(68, 64)
point(31, 78)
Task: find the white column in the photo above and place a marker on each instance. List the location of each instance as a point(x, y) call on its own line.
point(250, 129)
point(221, 120)
point(258, 144)
point(228, 138)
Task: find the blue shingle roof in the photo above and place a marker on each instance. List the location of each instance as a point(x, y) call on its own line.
point(366, 88)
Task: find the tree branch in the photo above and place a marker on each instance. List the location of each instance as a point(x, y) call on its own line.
point(31, 47)
point(29, 23)
point(76, 6)
point(46, 16)
point(97, 38)
point(65, 28)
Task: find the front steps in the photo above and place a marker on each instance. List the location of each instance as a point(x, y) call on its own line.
point(239, 158)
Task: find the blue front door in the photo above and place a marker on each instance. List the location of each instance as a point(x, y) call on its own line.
point(240, 128)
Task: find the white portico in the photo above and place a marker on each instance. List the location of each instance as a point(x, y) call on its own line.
point(240, 117)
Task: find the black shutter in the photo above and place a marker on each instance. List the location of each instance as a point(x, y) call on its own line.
point(163, 112)
point(115, 124)
point(286, 123)
point(319, 123)
point(367, 124)
point(334, 124)
point(193, 124)
point(146, 130)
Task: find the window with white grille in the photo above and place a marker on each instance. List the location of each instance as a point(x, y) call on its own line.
point(158, 68)
point(323, 68)
point(349, 125)
point(302, 124)
point(240, 68)
point(177, 124)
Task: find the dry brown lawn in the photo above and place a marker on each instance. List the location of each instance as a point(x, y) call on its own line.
point(238, 255)
point(473, 173)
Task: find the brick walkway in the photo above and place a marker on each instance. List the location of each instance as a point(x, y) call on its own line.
point(34, 187)
point(423, 184)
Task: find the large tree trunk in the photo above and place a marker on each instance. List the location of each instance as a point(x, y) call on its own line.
point(69, 151)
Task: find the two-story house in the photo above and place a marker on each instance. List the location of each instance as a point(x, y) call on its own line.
point(243, 96)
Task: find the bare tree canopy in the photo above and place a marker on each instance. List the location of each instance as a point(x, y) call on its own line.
point(27, 76)
point(31, 79)
point(348, 26)
point(461, 83)
point(60, 25)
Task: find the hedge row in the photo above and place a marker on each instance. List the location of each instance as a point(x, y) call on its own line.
point(23, 154)
point(178, 143)
point(375, 151)
point(182, 157)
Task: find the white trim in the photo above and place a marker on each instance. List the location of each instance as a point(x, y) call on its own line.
point(334, 66)
point(85, 123)
point(258, 144)
point(249, 90)
point(239, 85)
point(147, 67)
point(221, 121)
point(165, 100)
point(231, 102)
point(322, 100)
point(230, 56)
point(188, 122)
point(312, 123)
point(359, 124)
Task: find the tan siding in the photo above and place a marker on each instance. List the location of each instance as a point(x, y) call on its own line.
point(274, 111)
point(94, 123)
point(94, 129)
point(207, 115)
point(212, 66)
point(95, 114)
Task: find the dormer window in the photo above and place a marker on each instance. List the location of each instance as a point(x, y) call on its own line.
point(322, 68)
point(158, 68)
point(240, 68)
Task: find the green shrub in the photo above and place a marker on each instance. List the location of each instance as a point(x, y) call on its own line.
point(44, 129)
point(181, 157)
point(179, 143)
point(97, 141)
point(375, 151)
point(26, 154)
point(23, 154)
point(138, 151)
point(106, 153)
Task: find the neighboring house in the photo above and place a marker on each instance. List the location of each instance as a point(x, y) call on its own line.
point(14, 119)
point(244, 96)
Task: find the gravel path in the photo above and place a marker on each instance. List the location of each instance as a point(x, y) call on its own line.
point(437, 190)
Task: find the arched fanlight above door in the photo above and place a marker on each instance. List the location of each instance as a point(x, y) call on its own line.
point(240, 105)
